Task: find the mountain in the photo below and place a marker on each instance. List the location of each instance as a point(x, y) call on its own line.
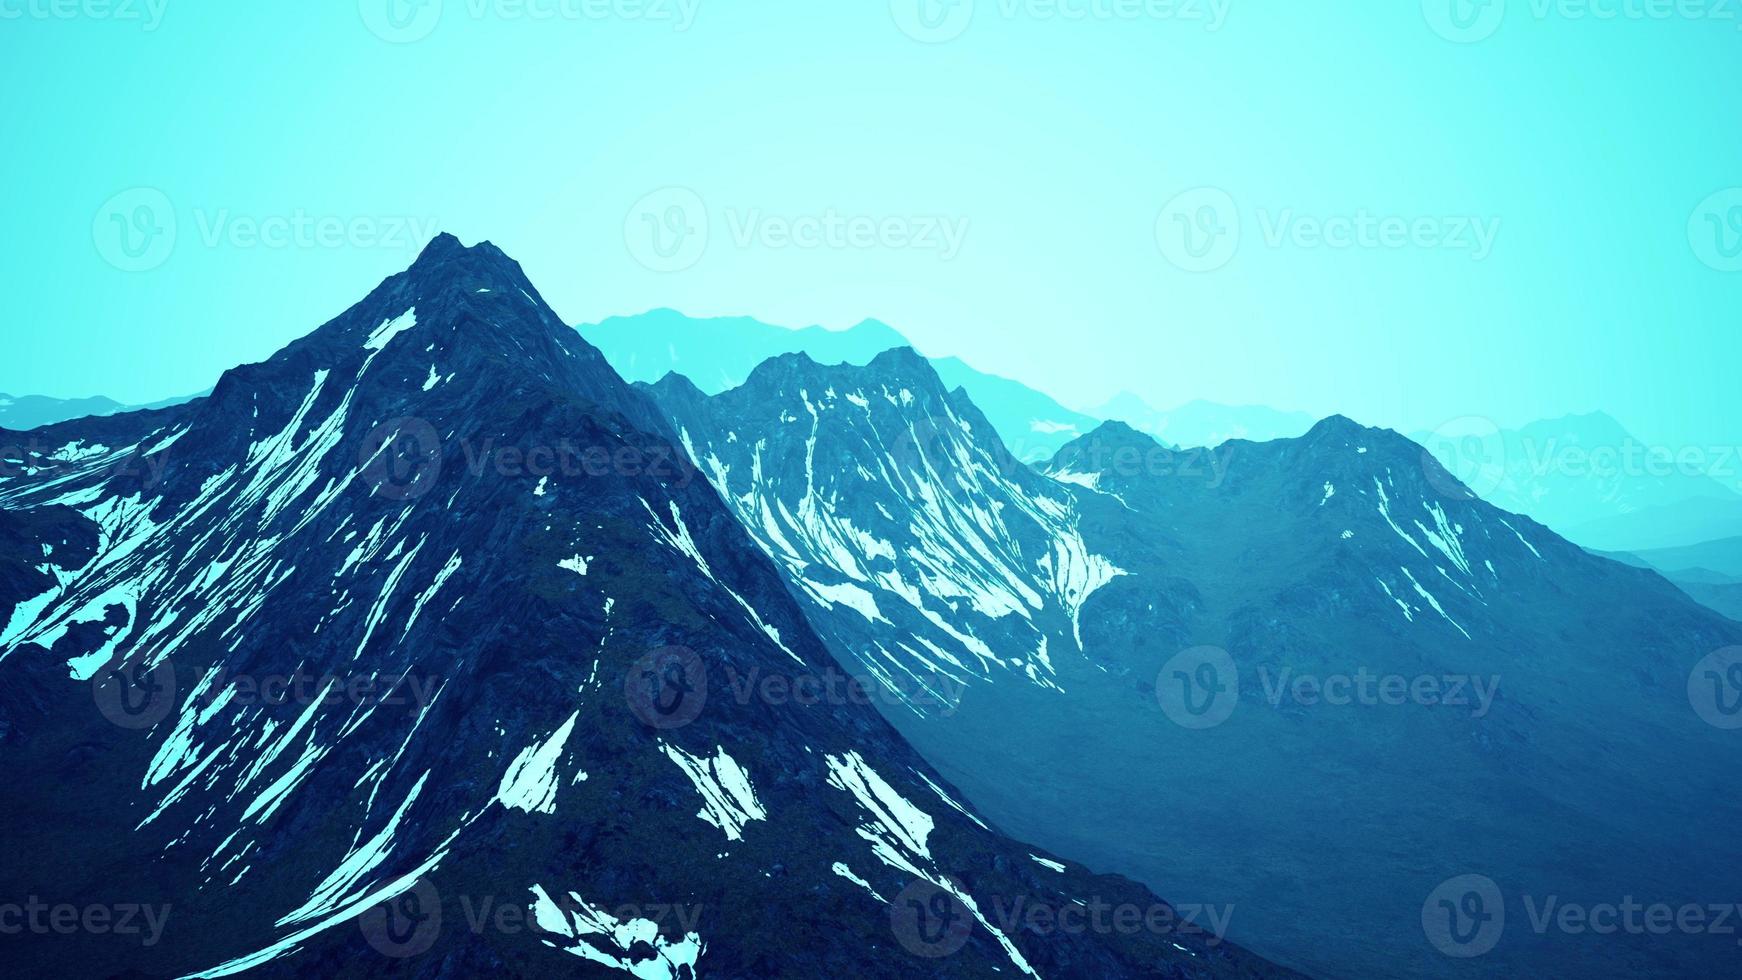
point(417, 649)
point(22, 412)
point(1722, 557)
point(933, 558)
point(1032, 638)
point(1683, 524)
point(1710, 572)
point(1592, 480)
point(718, 354)
point(19, 412)
point(1203, 423)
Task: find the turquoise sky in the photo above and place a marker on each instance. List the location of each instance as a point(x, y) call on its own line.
point(1535, 197)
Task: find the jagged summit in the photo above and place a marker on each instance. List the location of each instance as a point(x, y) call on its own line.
point(901, 365)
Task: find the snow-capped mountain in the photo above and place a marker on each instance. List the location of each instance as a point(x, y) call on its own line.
point(720, 353)
point(418, 650)
point(933, 558)
point(925, 555)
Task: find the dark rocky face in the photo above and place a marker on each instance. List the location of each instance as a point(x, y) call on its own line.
point(418, 649)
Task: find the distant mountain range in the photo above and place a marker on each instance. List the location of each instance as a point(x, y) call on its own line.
point(1204, 423)
point(21, 412)
point(30, 411)
point(1592, 480)
point(1711, 572)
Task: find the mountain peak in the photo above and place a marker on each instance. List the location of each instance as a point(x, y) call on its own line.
point(447, 258)
point(1337, 425)
point(903, 359)
point(1114, 430)
point(1093, 452)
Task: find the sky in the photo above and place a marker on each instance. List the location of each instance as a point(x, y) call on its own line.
point(1405, 212)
